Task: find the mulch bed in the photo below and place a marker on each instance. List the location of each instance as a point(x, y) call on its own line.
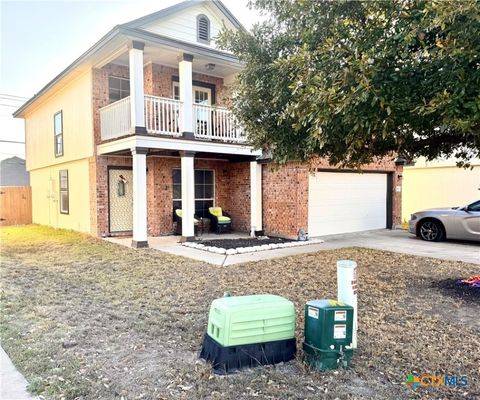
point(243, 242)
point(453, 288)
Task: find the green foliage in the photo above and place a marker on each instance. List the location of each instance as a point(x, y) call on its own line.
point(352, 81)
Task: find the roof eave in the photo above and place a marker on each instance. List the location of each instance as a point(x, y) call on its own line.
point(171, 42)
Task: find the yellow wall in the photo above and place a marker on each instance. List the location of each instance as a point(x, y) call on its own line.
point(75, 100)
point(437, 186)
point(45, 196)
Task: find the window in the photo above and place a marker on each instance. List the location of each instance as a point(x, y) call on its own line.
point(64, 196)
point(203, 29)
point(118, 88)
point(204, 191)
point(200, 94)
point(58, 132)
point(176, 91)
point(474, 206)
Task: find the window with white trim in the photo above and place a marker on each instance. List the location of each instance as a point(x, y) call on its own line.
point(204, 191)
point(58, 133)
point(64, 192)
point(118, 88)
point(203, 29)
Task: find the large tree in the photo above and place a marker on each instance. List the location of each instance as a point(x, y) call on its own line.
point(357, 80)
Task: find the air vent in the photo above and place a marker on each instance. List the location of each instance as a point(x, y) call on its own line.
point(203, 29)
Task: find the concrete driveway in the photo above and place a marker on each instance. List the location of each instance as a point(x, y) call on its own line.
point(400, 241)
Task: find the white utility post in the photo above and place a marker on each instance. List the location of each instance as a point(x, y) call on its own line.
point(188, 195)
point(347, 290)
point(255, 197)
point(186, 97)
point(137, 96)
point(139, 164)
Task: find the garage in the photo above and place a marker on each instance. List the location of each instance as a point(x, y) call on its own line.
point(341, 202)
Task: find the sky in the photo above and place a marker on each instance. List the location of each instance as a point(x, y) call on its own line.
point(38, 39)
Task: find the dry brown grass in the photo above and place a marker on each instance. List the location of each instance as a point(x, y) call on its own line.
point(83, 318)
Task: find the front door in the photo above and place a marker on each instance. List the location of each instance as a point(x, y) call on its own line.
point(202, 99)
point(120, 199)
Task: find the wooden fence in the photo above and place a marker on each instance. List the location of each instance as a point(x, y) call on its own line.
point(15, 205)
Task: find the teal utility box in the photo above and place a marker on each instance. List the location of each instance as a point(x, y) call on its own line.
point(328, 334)
point(248, 331)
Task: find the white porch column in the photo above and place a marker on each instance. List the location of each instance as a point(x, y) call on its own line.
point(188, 195)
point(139, 163)
point(255, 197)
point(137, 96)
point(185, 88)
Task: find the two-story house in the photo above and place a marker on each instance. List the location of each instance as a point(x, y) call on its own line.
point(139, 125)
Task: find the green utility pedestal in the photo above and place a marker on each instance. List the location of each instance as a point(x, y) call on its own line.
point(328, 334)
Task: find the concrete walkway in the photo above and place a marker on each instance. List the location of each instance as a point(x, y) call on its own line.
point(13, 385)
point(397, 241)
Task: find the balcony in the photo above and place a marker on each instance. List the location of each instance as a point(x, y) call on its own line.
point(163, 118)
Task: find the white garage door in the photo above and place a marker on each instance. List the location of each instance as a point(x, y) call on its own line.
point(340, 202)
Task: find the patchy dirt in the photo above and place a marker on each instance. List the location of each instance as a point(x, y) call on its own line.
point(452, 287)
point(243, 242)
point(86, 319)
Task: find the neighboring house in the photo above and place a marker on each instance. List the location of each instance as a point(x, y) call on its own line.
point(138, 126)
point(13, 172)
point(439, 183)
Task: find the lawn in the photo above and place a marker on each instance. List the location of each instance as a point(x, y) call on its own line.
point(83, 318)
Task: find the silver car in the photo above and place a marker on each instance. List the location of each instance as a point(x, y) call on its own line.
point(447, 223)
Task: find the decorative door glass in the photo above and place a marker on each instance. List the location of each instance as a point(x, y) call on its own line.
point(120, 200)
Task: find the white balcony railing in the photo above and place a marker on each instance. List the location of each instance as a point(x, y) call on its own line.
point(162, 115)
point(115, 119)
point(216, 123)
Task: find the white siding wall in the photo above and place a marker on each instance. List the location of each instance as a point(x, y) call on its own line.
point(183, 24)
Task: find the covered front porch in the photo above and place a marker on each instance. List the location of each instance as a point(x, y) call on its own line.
point(147, 183)
point(169, 90)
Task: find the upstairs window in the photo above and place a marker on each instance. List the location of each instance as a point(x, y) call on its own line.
point(203, 29)
point(118, 88)
point(58, 132)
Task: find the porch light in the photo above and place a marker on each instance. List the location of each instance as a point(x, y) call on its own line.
point(210, 66)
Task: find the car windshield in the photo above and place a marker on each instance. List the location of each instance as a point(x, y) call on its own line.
point(475, 206)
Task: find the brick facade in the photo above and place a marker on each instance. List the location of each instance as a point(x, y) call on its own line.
point(284, 199)
point(232, 191)
point(285, 194)
point(158, 81)
point(285, 188)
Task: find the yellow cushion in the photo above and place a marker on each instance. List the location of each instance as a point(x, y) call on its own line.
point(223, 220)
point(217, 211)
point(178, 211)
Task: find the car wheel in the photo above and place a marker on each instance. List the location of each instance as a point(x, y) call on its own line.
point(431, 231)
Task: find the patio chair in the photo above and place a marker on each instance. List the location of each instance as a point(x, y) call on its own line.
point(177, 214)
point(221, 222)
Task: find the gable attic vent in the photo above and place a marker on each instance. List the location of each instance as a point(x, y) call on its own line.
point(203, 29)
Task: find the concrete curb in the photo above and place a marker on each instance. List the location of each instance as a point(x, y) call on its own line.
point(13, 386)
